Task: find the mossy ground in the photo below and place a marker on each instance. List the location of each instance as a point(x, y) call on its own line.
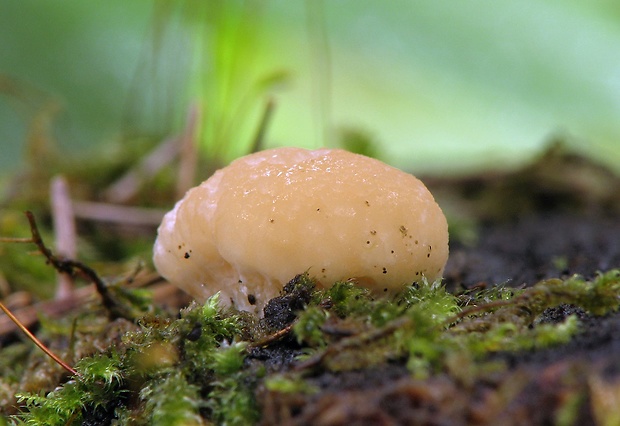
point(512, 336)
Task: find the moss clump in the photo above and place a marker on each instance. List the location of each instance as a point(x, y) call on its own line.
point(98, 386)
point(231, 399)
point(171, 365)
point(170, 400)
point(425, 323)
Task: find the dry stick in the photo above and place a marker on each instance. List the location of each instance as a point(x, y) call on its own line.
point(129, 184)
point(115, 213)
point(15, 240)
point(38, 342)
point(71, 266)
point(274, 337)
point(480, 308)
point(64, 230)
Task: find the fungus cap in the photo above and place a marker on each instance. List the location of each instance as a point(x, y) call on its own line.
point(255, 224)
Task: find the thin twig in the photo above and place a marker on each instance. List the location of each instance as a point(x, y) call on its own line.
point(274, 337)
point(114, 213)
point(129, 184)
point(38, 342)
point(64, 231)
point(70, 266)
point(479, 308)
point(15, 240)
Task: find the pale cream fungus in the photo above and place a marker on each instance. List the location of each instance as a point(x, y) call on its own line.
point(252, 226)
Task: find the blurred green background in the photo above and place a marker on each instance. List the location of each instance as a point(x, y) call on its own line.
point(438, 86)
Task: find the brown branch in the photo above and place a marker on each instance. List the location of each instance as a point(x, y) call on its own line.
point(71, 267)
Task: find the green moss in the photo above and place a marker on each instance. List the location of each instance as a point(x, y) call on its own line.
point(424, 324)
point(228, 359)
point(98, 385)
point(308, 328)
point(506, 336)
point(347, 299)
point(292, 383)
point(171, 401)
point(170, 363)
point(180, 370)
point(232, 400)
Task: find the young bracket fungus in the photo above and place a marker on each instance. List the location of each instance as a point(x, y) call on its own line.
point(254, 225)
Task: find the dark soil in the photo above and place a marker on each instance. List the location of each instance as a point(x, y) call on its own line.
point(536, 247)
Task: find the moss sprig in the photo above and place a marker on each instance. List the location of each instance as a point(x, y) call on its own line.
point(231, 399)
point(99, 385)
point(172, 401)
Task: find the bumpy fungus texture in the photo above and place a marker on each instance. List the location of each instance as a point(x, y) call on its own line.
point(268, 216)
